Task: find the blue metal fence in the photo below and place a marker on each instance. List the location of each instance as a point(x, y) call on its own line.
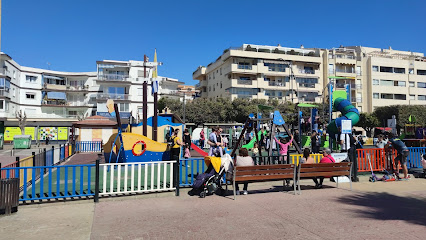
point(62, 153)
point(54, 182)
point(49, 157)
point(88, 146)
point(415, 157)
point(189, 169)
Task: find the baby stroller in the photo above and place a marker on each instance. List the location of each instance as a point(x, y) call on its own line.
point(211, 180)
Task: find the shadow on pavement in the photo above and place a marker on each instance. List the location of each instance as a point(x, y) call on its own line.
point(384, 206)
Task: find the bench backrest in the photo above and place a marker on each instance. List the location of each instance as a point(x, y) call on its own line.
point(265, 172)
point(307, 170)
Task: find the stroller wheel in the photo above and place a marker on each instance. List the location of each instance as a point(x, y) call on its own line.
point(202, 194)
point(371, 179)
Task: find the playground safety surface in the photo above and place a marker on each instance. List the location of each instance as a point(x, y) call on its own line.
point(380, 210)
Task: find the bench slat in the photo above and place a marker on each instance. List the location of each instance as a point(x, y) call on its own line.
point(310, 165)
point(324, 174)
point(264, 172)
point(324, 169)
point(264, 177)
point(264, 167)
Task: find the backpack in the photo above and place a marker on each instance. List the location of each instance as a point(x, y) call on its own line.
point(170, 141)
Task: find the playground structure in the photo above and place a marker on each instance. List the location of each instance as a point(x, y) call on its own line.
point(252, 122)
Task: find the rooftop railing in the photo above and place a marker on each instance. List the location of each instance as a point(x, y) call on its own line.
point(113, 77)
point(106, 96)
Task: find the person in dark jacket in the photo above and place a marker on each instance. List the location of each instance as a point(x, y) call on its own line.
point(187, 138)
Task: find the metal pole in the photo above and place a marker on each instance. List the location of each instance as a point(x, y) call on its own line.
point(184, 110)
point(145, 109)
point(97, 178)
point(155, 118)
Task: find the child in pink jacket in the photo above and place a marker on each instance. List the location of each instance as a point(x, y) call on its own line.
point(284, 147)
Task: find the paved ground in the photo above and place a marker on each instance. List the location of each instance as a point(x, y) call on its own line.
point(393, 210)
point(8, 154)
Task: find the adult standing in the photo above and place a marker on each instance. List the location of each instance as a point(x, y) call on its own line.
point(352, 157)
point(215, 143)
point(402, 154)
point(315, 142)
point(187, 138)
point(202, 138)
point(344, 141)
point(177, 143)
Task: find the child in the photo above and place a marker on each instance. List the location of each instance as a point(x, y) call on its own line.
point(284, 147)
point(255, 150)
point(187, 153)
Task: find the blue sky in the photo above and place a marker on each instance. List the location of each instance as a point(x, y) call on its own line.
point(73, 34)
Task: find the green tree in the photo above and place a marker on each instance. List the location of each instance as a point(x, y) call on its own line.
point(368, 121)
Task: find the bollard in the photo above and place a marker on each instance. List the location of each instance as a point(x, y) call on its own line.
point(176, 176)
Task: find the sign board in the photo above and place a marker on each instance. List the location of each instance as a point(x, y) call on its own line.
point(62, 133)
point(30, 131)
point(338, 157)
point(9, 132)
point(392, 124)
point(45, 132)
point(346, 126)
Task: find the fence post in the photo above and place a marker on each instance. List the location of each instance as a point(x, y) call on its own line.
point(176, 176)
point(17, 165)
point(45, 159)
point(34, 162)
point(97, 179)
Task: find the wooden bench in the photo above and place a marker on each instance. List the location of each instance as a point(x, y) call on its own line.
point(264, 173)
point(311, 170)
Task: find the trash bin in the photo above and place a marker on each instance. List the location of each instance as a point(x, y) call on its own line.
point(9, 195)
point(1, 140)
point(22, 141)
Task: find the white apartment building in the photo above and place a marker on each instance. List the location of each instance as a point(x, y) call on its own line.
point(376, 77)
point(54, 98)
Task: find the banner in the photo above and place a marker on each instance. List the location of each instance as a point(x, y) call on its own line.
point(62, 133)
point(9, 132)
point(45, 132)
point(30, 131)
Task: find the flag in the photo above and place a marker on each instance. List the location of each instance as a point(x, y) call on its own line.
point(154, 86)
point(155, 72)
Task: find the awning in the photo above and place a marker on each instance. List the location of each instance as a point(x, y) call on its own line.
point(276, 61)
point(56, 95)
point(53, 77)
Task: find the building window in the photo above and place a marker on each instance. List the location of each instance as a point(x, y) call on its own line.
point(123, 107)
point(400, 96)
point(386, 96)
point(31, 79)
point(412, 97)
point(411, 84)
point(386, 69)
point(72, 113)
point(244, 65)
point(399, 70)
point(330, 69)
point(386, 82)
point(30, 95)
point(421, 84)
point(307, 82)
point(358, 70)
point(1, 104)
point(272, 67)
point(399, 83)
point(411, 71)
point(421, 97)
point(376, 82)
point(421, 72)
point(375, 68)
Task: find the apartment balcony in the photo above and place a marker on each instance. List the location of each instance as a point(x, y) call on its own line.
point(244, 82)
point(200, 73)
point(113, 96)
point(3, 72)
point(4, 93)
point(54, 87)
point(113, 78)
point(64, 103)
point(244, 69)
point(82, 88)
point(52, 116)
point(304, 71)
point(276, 84)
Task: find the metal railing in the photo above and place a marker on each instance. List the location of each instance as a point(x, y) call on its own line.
point(113, 77)
point(106, 96)
point(4, 93)
point(304, 71)
point(278, 84)
point(244, 82)
point(137, 177)
point(88, 146)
